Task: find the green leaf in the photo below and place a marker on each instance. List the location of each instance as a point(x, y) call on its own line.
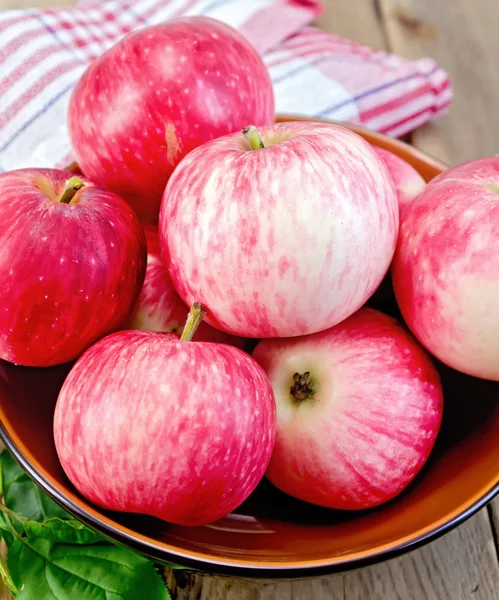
point(69, 531)
point(3, 525)
point(44, 569)
point(23, 496)
point(48, 571)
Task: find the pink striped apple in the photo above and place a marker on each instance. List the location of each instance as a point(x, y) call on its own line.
point(72, 262)
point(408, 182)
point(147, 423)
point(279, 233)
point(158, 93)
point(359, 407)
point(160, 308)
point(446, 268)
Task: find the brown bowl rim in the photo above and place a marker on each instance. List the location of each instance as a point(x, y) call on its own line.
point(385, 140)
point(198, 561)
point(194, 561)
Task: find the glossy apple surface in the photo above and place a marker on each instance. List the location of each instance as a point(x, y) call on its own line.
point(147, 423)
point(359, 407)
point(408, 182)
point(160, 308)
point(157, 94)
point(280, 241)
point(445, 271)
point(71, 272)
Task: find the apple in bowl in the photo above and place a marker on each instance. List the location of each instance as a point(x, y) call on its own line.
point(151, 424)
point(359, 407)
point(408, 182)
point(445, 270)
point(73, 259)
point(158, 93)
point(281, 231)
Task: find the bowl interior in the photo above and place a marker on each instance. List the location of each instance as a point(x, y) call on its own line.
point(272, 534)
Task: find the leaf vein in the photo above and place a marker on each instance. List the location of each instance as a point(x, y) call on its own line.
point(48, 583)
point(109, 560)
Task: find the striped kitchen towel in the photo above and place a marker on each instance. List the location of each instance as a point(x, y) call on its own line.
point(44, 52)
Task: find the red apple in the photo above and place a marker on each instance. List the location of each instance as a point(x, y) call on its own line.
point(72, 262)
point(160, 308)
point(359, 407)
point(147, 423)
point(281, 240)
point(157, 94)
point(446, 268)
point(408, 182)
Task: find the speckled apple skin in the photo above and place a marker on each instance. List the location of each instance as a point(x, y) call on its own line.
point(160, 308)
point(283, 241)
point(373, 421)
point(446, 268)
point(158, 93)
point(182, 431)
point(70, 273)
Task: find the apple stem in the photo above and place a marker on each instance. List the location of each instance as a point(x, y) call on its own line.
point(252, 135)
point(194, 319)
point(72, 185)
point(303, 387)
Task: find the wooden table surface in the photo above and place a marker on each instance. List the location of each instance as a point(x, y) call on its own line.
point(462, 36)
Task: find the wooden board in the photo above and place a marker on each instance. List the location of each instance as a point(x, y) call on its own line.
point(358, 20)
point(206, 587)
point(462, 37)
point(460, 566)
point(493, 510)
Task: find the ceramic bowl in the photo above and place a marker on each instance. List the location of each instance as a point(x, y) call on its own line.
point(272, 535)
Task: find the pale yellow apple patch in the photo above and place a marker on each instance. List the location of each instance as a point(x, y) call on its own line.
point(172, 143)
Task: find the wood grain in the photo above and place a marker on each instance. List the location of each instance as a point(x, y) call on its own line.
point(460, 566)
point(206, 587)
point(493, 510)
point(358, 20)
point(463, 39)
